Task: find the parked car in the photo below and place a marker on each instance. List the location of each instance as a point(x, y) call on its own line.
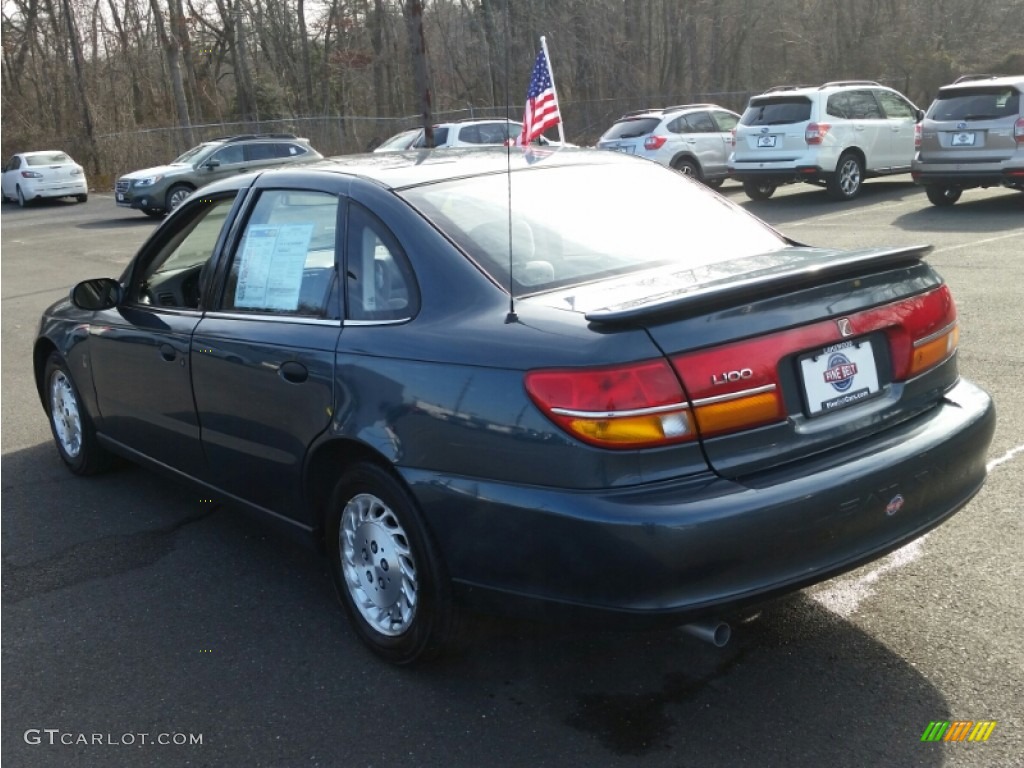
point(491, 132)
point(30, 176)
point(636, 408)
point(694, 139)
point(157, 191)
point(834, 135)
point(972, 136)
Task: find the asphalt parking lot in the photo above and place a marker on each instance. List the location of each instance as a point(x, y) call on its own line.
point(136, 613)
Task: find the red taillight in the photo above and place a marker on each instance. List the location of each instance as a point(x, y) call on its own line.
point(815, 133)
point(732, 137)
point(627, 406)
point(1018, 131)
point(654, 142)
point(917, 136)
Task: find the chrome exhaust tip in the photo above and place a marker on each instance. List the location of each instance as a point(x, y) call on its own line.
point(710, 631)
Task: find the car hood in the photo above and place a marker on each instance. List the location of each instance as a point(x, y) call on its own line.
point(158, 170)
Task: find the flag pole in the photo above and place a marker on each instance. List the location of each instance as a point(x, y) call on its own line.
point(554, 90)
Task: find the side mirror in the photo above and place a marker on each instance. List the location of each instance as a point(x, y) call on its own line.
point(211, 164)
point(96, 294)
point(920, 115)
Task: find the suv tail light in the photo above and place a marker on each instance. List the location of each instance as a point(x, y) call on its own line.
point(654, 142)
point(917, 136)
point(732, 138)
point(628, 406)
point(1018, 130)
point(815, 133)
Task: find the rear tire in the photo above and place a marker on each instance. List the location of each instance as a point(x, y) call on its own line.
point(943, 196)
point(20, 196)
point(845, 182)
point(759, 190)
point(387, 572)
point(73, 430)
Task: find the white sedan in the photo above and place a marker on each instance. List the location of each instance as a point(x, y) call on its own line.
point(30, 176)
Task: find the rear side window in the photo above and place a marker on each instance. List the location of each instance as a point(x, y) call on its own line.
point(264, 151)
point(726, 122)
point(976, 104)
point(777, 110)
point(632, 128)
point(379, 286)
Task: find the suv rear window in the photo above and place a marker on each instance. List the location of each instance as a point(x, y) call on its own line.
point(777, 110)
point(976, 104)
point(632, 128)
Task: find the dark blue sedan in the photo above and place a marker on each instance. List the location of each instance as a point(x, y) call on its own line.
point(581, 385)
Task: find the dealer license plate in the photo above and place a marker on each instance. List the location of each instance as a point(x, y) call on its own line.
point(766, 141)
point(963, 139)
point(839, 376)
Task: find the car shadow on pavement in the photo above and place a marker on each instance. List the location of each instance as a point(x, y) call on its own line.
point(129, 602)
point(981, 215)
point(127, 222)
point(796, 202)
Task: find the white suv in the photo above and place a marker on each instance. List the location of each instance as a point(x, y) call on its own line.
point(834, 135)
point(463, 133)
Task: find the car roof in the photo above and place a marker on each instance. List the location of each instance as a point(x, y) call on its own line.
point(973, 81)
point(410, 168)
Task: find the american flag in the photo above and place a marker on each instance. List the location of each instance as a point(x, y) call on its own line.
point(541, 106)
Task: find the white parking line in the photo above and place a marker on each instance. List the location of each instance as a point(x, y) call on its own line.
point(844, 596)
point(1014, 233)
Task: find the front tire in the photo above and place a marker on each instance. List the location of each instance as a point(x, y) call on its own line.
point(759, 190)
point(845, 182)
point(176, 195)
point(386, 570)
point(687, 168)
point(943, 196)
point(72, 429)
point(82, 198)
point(154, 213)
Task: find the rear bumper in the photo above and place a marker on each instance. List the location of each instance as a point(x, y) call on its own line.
point(674, 551)
point(809, 173)
point(48, 190)
point(949, 175)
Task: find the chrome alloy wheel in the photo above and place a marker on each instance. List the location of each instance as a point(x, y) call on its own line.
point(67, 421)
point(849, 176)
point(377, 564)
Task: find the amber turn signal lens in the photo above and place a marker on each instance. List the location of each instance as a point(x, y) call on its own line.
point(928, 353)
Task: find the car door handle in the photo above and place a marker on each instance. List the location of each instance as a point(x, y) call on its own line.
point(167, 352)
point(293, 372)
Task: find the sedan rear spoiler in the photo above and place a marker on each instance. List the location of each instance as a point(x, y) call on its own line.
point(810, 267)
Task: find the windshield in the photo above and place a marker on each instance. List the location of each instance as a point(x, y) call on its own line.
point(632, 128)
point(403, 140)
point(577, 224)
point(193, 154)
point(976, 104)
point(777, 110)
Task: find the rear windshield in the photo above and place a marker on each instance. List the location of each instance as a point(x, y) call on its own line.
point(777, 110)
point(633, 128)
point(979, 103)
point(50, 158)
point(573, 225)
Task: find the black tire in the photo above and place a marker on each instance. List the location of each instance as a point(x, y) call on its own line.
point(687, 168)
point(154, 213)
point(82, 198)
point(759, 190)
point(20, 197)
point(73, 430)
point(845, 182)
point(714, 183)
point(386, 570)
point(176, 195)
point(942, 196)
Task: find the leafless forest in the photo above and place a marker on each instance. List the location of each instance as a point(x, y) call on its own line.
point(123, 84)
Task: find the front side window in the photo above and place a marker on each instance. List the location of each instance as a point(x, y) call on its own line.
point(172, 276)
point(284, 262)
point(896, 107)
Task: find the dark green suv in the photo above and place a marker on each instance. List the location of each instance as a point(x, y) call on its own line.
point(158, 191)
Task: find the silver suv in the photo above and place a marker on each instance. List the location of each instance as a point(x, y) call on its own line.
point(834, 135)
point(159, 190)
point(695, 139)
point(972, 136)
